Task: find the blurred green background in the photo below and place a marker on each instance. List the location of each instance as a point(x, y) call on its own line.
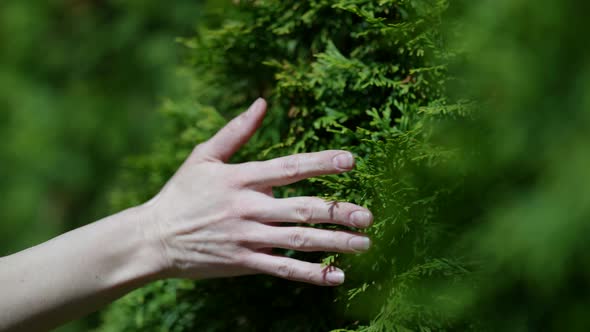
point(80, 81)
point(487, 229)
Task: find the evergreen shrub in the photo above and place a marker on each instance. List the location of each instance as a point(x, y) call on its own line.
point(326, 68)
point(476, 180)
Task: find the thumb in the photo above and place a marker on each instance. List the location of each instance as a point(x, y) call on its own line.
point(236, 133)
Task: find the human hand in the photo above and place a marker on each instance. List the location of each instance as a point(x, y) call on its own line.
point(214, 219)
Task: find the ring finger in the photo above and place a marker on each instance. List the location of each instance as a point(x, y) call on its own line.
point(311, 210)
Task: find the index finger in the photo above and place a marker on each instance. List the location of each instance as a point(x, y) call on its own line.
point(286, 170)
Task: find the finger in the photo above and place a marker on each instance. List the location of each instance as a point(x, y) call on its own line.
point(310, 210)
point(308, 239)
point(235, 134)
point(292, 269)
point(290, 169)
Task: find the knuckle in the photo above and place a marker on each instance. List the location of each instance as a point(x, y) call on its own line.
point(198, 152)
point(239, 208)
point(338, 241)
point(199, 147)
point(304, 212)
point(240, 257)
point(285, 271)
point(298, 240)
point(290, 166)
point(237, 238)
point(249, 261)
point(230, 175)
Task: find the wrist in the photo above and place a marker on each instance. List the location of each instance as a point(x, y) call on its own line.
point(152, 243)
point(134, 250)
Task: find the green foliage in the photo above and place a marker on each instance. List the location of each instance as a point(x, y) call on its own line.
point(469, 122)
point(79, 81)
point(165, 304)
point(347, 74)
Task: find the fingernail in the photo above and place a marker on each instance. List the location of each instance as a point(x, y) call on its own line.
point(361, 218)
point(360, 243)
point(256, 106)
point(335, 277)
point(343, 161)
point(258, 103)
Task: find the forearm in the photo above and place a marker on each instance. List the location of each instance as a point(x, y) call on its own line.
point(76, 273)
point(210, 220)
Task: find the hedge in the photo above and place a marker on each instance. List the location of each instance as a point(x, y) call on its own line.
point(476, 180)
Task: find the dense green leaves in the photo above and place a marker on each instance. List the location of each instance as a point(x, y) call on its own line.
point(469, 129)
point(348, 74)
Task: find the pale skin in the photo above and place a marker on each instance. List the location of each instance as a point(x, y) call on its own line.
point(212, 219)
